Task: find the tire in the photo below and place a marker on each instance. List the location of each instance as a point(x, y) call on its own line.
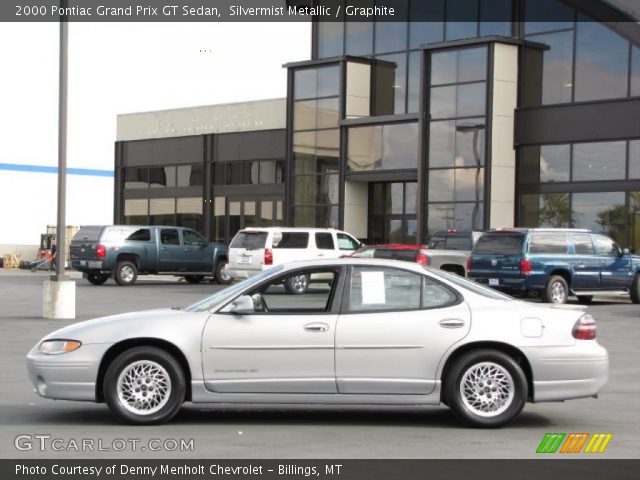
point(220, 275)
point(585, 299)
point(489, 414)
point(97, 278)
point(132, 363)
point(556, 291)
point(126, 273)
point(635, 289)
point(194, 278)
point(297, 284)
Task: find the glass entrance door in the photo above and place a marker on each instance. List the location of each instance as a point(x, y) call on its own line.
point(392, 212)
point(235, 213)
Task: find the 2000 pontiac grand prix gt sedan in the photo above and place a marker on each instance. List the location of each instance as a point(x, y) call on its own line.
point(366, 332)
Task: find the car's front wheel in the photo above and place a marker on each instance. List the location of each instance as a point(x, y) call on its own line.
point(556, 291)
point(97, 278)
point(144, 385)
point(486, 388)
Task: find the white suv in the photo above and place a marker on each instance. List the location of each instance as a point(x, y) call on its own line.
point(253, 250)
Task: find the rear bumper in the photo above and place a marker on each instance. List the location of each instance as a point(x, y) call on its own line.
point(87, 265)
point(239, 271)
point(564, 373)
point(518, 285)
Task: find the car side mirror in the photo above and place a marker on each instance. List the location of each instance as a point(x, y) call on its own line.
point(625, 252)
point(242, 305)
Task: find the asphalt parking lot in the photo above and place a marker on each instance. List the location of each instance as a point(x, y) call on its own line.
point(230, 432)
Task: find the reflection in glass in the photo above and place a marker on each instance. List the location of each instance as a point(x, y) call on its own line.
point(135, 211)
point(304, 114)
point(162, 177)
point(462, 65)
point(456, 185)
point(305, 83)
point(393, 146)
point(463, 216)
point(495, 18)
point(547, 163)
point(189, 213)
point(456, 143)
point(359, 39)
point(466, 100)
point(599, 161)
point(557, 68)
point(328, 81)
point(413, 83)
point(465, 13)
point(601, 62)
point(550, 210)
point(189, 176)
point(635, 71)
point(330, 35)
point(392, 36)
point(327, 113)
point(426, 24)
point(400, 77)
point(162, 211)
point(634, 159)
point(600, 212)
point(535, 10)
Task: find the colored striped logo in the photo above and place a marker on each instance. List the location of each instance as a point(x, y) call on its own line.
point(574, 443)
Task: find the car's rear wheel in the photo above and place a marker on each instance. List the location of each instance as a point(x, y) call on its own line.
point(486, 388)
point(144, 385)
point(585, 299)
point(297, 284)
point(635, 289)
point(556, 291)
point(97, 278)
point(220, 274)
point(194, 278)
point(126, 273)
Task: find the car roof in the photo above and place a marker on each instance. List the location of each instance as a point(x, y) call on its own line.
point(395, 246)
point(288, 229)
point(525, 230)
point(381, 262)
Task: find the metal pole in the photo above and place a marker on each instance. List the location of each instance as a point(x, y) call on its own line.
point(61, 228)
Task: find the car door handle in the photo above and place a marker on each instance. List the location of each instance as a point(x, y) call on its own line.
point(452, 323)
point(187, 249)
point(316, 327)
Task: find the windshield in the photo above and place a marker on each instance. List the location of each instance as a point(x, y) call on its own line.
point(500, 244)
point(223, 295)
point(249, 240)
point(474, 287)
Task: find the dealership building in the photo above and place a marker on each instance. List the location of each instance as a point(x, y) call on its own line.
point(394, 130)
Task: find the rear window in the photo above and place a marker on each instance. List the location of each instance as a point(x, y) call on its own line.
point(117, 234)
point(324, 241)
point(142, 235)
point(292, 240)
point(451, 242)
point(249, 240)
point(390, 254)
point(548, 243)
point(87, 234)
point(500, 244)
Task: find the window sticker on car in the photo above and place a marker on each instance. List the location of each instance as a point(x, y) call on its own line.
point(373, 291)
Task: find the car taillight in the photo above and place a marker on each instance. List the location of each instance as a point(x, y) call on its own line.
point(268, 256)
point(101, 251)
point(525, 266)
point(585, 328)
point(469, 264)
point(422, 259)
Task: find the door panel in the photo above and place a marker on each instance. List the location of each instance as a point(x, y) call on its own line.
point(171, 253)
point(394, 352)
point(269, 354)
point(615, 269)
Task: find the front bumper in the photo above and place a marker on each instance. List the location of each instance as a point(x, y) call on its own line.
point(564, 373)
point(68, 376)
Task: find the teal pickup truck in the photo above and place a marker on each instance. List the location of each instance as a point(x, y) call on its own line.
point(126, 251)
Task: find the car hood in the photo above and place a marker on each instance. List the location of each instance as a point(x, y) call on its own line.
point(114, 327)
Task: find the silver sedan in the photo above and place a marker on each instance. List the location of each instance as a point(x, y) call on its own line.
point(365, 332)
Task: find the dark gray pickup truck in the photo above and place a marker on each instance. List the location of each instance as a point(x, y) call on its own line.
point(126, 251)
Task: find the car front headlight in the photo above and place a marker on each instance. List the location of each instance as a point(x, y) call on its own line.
point(56, 347)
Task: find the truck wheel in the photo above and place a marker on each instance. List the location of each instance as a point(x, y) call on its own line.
point(126, 273)
point(194, 278)
point(97, 278)
point(297, 284)
point(485, 388)
point(220, 274)
point(556, 290)
point(144, 385)
point(635, 289)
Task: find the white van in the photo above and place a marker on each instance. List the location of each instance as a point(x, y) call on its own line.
point(253, 250)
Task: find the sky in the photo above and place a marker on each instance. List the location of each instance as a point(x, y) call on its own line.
point(129, 67)
point(116, 68)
